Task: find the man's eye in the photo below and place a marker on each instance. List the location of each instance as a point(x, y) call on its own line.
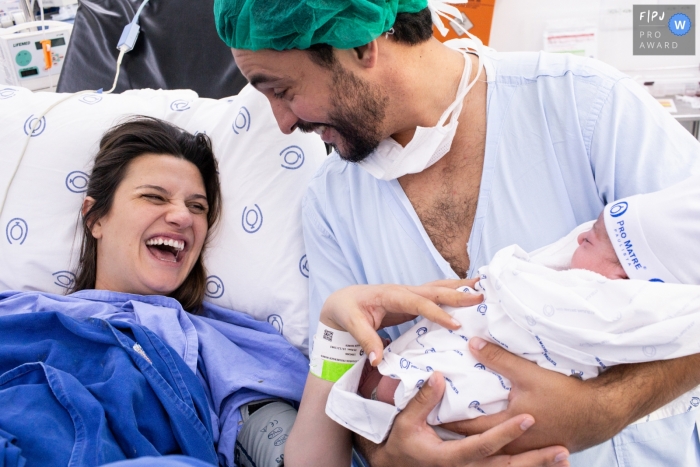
point(280, 94)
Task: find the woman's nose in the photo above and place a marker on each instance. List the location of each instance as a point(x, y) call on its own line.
point(179, 215)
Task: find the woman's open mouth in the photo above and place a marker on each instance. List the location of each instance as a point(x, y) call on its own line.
point(166, 249)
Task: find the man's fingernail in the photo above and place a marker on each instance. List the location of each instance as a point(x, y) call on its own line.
point(477, 343)
point(456, 323)
point(431, 380)
point(372, 356)
point(527, 423)
point(562, 456)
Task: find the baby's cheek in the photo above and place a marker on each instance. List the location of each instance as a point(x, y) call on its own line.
point(386, 389)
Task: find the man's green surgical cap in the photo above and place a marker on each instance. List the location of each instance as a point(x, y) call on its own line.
point(299, 24)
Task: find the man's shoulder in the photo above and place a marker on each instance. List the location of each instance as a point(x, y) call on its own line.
point(524, 67)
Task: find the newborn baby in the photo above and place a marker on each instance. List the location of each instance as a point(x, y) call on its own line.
point(595, 253)
point(561, 307)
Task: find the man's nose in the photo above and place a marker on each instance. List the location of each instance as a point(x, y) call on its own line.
point(286, 119)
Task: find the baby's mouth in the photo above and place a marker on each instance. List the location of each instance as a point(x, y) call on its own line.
point(165, 249)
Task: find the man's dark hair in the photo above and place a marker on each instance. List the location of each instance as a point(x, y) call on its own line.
point(409, 29)
point(119, 146)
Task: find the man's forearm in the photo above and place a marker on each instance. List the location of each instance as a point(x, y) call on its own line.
point(642, 388)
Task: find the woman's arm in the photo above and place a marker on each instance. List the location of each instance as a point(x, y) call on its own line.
point(316, 440)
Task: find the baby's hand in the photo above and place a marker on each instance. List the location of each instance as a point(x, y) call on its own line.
point(362, 309)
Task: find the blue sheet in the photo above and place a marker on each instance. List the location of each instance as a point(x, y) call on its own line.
point(87, 392)
point(236, 358)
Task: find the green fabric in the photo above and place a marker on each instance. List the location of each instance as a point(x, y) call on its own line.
point(298, 24)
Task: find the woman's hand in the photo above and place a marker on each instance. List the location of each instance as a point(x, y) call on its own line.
point(362, 309)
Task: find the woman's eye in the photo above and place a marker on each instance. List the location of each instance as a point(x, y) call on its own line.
point(198, 208)
point(155, 198)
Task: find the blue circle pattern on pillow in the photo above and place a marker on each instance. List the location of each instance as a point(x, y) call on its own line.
point(179, 105)
point(292, 157)
point(64, 279)
point(304, 266)
point(16, 231)
point(90, 99)
point(276, 322)
point(242, 121)
point(214, 287)
point(252, 219)
point(77, 181)
point(34, 129)
point(7, 93)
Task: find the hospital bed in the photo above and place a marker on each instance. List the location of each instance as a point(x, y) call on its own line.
point(256, 261)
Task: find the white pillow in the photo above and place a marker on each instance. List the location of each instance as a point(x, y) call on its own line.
point(256, 261)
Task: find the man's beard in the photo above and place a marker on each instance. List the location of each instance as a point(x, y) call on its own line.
point(357, 113)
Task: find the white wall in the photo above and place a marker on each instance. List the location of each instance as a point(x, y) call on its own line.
point(520, 24)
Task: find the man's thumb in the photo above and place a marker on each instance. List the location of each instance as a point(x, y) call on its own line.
point(427, 398)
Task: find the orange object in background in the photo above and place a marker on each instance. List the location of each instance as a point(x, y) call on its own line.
point(46, 47)
point(479, 14)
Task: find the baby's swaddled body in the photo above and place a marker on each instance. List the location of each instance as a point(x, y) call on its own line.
point(572, 321)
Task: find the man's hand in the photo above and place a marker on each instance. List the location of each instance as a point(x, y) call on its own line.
point(574, 413)
point(362, 309)
point(412, 442)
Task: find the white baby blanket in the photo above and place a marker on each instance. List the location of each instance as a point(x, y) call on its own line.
point(575, 322)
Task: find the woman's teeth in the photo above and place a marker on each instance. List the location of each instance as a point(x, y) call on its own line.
point(177, 244)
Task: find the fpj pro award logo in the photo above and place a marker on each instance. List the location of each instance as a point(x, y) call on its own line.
point(664, 29)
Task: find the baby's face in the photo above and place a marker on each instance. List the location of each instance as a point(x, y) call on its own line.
point(595, 253)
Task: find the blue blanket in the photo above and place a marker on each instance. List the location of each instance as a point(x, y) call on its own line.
point(235, 358)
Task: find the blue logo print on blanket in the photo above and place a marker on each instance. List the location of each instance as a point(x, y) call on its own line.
point(16, 231)
point(64, 279)
point(242, 121)
point(90, 99)
point(649, 350)
point(214, 287)
point(618, 209)
point(276, 322)
point(252, 219)
point(77, 181)
point(293, 157)
point(304, 266)
point(180, 105)
point(7, 93)
point(33, 126)
point(475, 405)
point(482, 309)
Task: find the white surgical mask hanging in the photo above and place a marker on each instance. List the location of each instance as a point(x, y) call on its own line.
point(390, 160)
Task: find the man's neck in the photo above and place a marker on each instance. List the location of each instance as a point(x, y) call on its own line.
point(424, 86)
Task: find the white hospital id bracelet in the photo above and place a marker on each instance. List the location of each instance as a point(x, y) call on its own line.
point(334, 353)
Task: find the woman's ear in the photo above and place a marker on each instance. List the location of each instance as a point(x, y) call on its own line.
point(95, 227)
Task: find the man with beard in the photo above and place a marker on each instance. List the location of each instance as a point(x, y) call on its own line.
point(442, 158)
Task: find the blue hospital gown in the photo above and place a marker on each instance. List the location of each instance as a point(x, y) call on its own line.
point(565, 136)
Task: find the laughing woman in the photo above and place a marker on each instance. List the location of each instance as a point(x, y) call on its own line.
point(133, 363)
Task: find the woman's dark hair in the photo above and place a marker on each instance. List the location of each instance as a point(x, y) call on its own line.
point(119, 146)
point(408, 28)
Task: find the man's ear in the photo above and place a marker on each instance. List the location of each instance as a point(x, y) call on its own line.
point(367, 54)
point(96, 226)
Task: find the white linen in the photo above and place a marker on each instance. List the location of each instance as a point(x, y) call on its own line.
point(575, 322)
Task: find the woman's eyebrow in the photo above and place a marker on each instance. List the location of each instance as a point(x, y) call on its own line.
point(198, 196)
point(155, 187)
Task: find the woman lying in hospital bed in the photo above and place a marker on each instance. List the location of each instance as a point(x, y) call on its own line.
point(562, 307)
point(90, 379)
